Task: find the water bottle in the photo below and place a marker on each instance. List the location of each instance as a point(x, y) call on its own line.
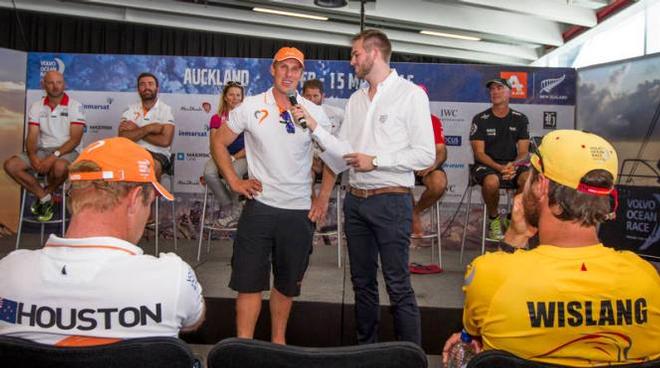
point(461, 353)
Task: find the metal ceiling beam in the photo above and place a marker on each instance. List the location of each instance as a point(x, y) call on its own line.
point(551, 10)
point(457, 16)
point(519, 52)
point(232, 21)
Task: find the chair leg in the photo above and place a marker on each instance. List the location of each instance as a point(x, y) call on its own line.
point(467, 219)
point(20, 218)
point(157, 220)
point(202, 220)
point(173, 203)
point(208, 241)
point(339, 226)
point(483, 230)
point(63, 209)
point(435, 239)
point(174, 230)
point(439, 232)
point(43, 228)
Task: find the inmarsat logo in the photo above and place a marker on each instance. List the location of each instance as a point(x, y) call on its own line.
point(547, 85)
point(48, 65)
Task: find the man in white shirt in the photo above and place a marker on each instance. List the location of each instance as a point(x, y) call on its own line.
point(55, 128)
point(150, 123)
point(276, 225)
point(388, 125)
point(94, 286)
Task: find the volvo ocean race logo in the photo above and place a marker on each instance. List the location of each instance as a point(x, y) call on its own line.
point(54, 64)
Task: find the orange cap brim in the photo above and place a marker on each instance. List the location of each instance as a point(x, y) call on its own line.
point(163, 192)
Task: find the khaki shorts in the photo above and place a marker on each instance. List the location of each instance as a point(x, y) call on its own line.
point(42, 153)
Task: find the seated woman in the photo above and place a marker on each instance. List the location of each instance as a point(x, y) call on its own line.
point(232, 96)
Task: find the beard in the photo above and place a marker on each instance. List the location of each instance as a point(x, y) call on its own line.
point(530, 205)
point(148, 95)
point(364, 68)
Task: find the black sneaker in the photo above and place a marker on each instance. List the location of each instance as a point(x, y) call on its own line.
point(35, 207)
point(46, 212)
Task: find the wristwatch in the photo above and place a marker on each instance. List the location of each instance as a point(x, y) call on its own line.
point(374, 162)
point(57, 153)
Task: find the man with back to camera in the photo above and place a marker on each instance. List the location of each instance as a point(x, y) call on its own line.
point(278, 218)
point(95, 286)
point(56, 125)
point(584, 304)
point(499, 138)
point(388, 125)
point(150, 123)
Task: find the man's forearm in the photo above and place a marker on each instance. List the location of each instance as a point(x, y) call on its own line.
point(134, 134)
point(160, 140)
point(483, 158)
point(31, 146)
point(440, 155)
point(327, 182)
point(222, 160)
point(69, 146)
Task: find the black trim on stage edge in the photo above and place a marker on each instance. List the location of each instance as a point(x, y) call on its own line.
point(317, 324)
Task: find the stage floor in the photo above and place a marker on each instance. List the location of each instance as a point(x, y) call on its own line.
point(323, 314)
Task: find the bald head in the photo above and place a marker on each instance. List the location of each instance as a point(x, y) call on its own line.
point(53, 84)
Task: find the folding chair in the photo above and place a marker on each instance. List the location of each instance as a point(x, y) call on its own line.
point(506, 186)
point(43, 224)
point(170, 176)
point(150, 352)
point(246, 353)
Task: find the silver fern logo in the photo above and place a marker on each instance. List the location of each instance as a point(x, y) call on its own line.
point(547, 85)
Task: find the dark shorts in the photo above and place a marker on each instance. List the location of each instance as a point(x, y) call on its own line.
point(479, 173)
point(164, 161)
point(271, 236)
point(437, 168)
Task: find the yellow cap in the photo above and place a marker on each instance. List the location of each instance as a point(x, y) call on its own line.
point(566, 156)
point(120, 159)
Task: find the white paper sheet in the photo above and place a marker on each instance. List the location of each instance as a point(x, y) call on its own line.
point(334, 156)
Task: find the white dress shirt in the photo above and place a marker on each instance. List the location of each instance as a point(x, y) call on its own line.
point(335, 115)
point(395, 127)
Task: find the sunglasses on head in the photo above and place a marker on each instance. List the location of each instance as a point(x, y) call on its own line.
point(586, 188)
point(234, 84)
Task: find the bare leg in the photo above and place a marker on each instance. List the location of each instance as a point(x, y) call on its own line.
point(490, 190)
point(280, 307)
point(248, 307)
point(57, 175)
point(436, 183)
point(18, 170)
point(522, 178)
point(158, 170)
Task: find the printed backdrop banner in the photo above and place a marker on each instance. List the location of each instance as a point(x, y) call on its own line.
point(12, 107)
point(106, 84)
point(621, 102)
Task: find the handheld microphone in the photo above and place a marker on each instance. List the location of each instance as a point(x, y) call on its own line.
point(292, 98)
